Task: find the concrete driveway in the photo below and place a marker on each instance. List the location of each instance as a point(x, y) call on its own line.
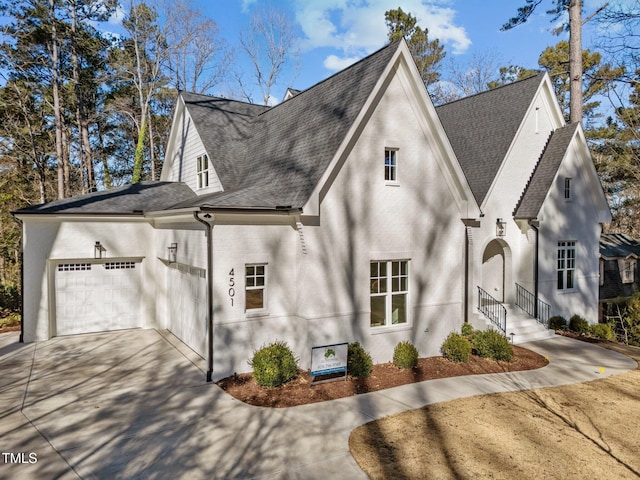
point(134, 404)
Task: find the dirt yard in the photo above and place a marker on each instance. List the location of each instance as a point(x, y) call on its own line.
point(589, 430)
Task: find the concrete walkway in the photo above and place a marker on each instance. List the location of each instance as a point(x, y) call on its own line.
point(134, 404)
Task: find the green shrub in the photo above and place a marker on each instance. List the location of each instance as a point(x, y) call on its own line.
point(10, 298)
point(603, 331)
point(456, 348)
point(558, 322)
point(359, 363)
point(274, 365)
point(405, 355)
point(578, 324)
point(11, 320)
point(467, 329)
point(492, 344)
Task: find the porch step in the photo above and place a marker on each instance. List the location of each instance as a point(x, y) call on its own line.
point(524, 328)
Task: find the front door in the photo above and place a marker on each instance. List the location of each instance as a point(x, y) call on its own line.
point(493, 270)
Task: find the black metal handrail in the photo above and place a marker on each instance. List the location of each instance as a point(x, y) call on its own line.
point(527, 302)
point(494, 310)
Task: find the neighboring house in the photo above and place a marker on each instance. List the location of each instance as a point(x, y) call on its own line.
point(354, 210)
point(619, 279)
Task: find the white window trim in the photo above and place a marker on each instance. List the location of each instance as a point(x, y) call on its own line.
point(203, 175)
point(568, 189)
point(395, 182)
point(628, 265)
point(388, 326)
point(566, 246)
point(256, 311)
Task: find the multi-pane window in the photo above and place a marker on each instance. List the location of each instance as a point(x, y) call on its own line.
point(389, 289)
point(255, 285)
point(627, 273)
point(567, 188)
point(202, 169)
point(390, 165)
point(566, 265)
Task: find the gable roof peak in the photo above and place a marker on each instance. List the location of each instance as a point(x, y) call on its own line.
point(539, 76)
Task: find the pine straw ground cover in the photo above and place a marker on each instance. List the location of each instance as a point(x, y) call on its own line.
point(589, 430)
point(386, 375)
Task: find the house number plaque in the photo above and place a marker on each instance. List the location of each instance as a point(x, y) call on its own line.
point(232, 284)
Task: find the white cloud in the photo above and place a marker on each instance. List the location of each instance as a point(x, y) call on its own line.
point(358, 26)
point(117, 16)
point(246, 4)
point(335, 63)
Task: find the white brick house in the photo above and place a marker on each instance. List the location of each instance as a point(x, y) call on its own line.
point(354, 210)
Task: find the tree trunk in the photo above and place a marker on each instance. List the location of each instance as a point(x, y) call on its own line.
point(138, 158)
point(55, 83)
point(83, 124)
point(575, 61)
point(152, 155)
point(105, 164)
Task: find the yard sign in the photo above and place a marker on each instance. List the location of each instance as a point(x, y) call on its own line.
point(329, 359)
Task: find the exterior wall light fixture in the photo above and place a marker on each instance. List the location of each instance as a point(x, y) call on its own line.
point(98, 250)
point(501, 228)
point(173, 251)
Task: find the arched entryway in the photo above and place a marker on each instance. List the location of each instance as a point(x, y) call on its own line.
point(496, 269)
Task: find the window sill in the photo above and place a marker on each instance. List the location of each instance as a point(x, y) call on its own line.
point(567, 291)
point(256, 313)
point(388, 183)
point(390, 328)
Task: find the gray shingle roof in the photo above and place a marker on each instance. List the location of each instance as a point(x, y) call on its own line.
point(482, 127)
point(131, 199)
point(276, 156)
point(545, 172)
point(618, 245)
point(225, 127)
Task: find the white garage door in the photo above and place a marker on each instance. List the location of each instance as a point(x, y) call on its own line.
point(97, 297)
point(187, 305)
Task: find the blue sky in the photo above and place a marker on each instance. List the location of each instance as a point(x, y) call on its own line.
point(336, 33)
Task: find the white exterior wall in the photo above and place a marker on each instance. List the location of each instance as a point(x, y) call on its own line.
point(184, 151)
point(238, 333)
point(568, 220)
point(504, 195)
point(362, 218)
point(51, 239)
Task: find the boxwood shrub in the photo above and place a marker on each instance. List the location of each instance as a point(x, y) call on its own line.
point(359, 363)
point(492, 344)
point(274, 365)
point(578, 324)
point(558, 322)
point(467, 329)
point(405, 355)
point(456, 347)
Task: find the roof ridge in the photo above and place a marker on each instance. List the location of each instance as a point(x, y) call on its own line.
point(216, 97)
point(473, 95)
point(340, 72)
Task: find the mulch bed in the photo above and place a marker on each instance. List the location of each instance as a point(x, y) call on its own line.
point(386, 375)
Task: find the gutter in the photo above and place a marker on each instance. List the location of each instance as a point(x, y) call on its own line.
point(208, 233)
point(535, 225)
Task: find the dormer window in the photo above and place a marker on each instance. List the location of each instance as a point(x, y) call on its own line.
point(567, 188)
point(390, 165)
point(202, 170)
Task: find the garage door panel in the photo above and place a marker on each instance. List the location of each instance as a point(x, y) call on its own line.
point(96, 298)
